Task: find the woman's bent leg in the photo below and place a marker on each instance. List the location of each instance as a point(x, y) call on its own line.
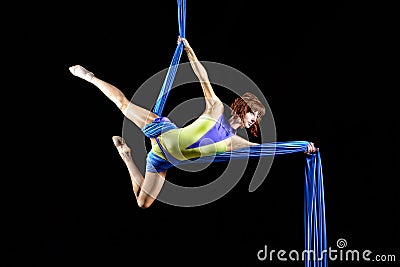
point(125, 153)
point(151, 187)
point(145, 189)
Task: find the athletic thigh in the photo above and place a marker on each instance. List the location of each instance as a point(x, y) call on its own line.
point(138, 115)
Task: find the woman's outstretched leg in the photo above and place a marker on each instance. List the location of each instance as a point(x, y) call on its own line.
point(138, 115)
point(146, 189)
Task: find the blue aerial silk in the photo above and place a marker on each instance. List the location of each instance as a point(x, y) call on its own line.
point(169, 79)
point(314, 204)
point(314, 214)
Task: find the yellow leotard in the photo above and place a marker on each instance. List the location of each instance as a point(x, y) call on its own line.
point(203, 137)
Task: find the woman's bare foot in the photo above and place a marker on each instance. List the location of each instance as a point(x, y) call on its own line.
point(123, 149)
point(81, 72)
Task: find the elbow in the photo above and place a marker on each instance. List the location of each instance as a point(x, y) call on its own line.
point(202, 73)
point(203, 77)
point(144, 204)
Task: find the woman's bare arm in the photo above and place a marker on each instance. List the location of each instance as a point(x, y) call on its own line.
point(237, 142)
point(201, 74)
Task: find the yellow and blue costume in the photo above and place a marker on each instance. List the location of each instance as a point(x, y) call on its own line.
point(203, 138)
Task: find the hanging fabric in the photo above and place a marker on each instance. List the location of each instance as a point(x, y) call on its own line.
point(314, 204)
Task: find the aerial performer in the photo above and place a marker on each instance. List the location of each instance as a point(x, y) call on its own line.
point(211, 137)
point(172, 145)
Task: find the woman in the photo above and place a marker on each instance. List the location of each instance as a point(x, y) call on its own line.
point(208, 135)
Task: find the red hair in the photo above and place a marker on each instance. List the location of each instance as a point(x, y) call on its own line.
point(248, 103)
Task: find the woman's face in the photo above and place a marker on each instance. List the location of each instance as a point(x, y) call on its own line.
point(250, 118)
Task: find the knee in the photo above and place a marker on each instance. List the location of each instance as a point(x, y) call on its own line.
point(144, 203)
point(123, 104)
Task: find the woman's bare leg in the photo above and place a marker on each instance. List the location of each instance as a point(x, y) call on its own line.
point(146, 189)
point(138, 115)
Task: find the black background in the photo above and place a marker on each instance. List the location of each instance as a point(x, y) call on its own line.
point(324, 67)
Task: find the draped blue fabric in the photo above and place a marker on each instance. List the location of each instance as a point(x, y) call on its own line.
point(170, 76)
point(314, 214)
point(261, 150)
point(157, 127)
point(314, 204)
